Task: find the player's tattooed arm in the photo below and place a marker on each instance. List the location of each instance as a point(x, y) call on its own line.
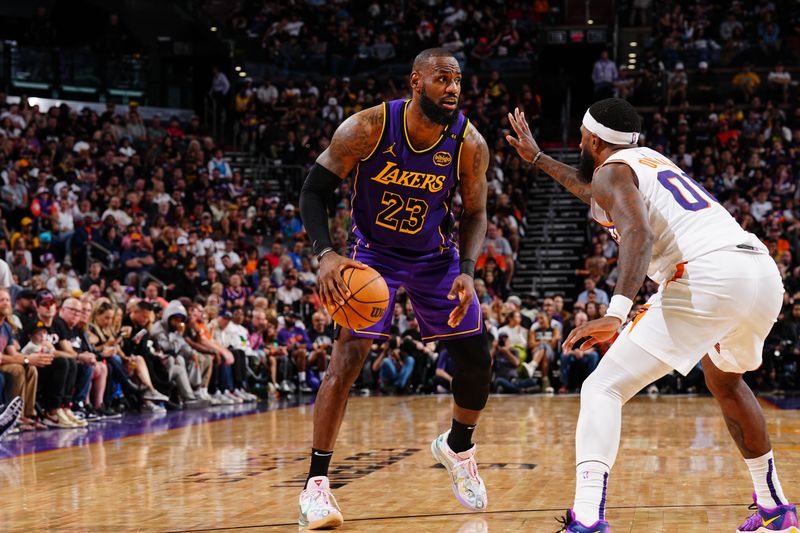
point(472, 174)
point(527, 149)
point(474, 162)
point(567, 176)
point(615, 190)
point(353, 140)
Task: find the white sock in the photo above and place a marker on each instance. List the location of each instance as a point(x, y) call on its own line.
point(591, 481)
point(302, 376)
point(765, 481)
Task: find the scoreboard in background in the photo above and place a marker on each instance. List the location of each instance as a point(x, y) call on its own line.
point(565, 35)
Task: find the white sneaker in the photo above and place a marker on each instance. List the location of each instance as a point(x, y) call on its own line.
point(318, 507)
point(233, 396)
point(74, 419)
point(530, 368)
point(468, 487)
point(212, 399)
point(222, 399)
point(155, 396)
point(246, 396)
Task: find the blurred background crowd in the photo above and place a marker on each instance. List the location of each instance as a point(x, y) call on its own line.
point(147, 268)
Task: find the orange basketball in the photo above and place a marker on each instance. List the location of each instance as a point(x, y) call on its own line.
point(369, 298)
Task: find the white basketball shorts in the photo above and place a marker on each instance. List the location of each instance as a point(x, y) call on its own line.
point(722, 304)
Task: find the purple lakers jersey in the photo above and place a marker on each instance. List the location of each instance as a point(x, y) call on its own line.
point(401, 195)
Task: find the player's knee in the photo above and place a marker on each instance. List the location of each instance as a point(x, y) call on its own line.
point(723, 385)
point(472, 352)
point(473, 371)
point(596, 387)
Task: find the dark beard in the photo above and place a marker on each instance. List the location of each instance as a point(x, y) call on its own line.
point(435, 113)
point(586, 167)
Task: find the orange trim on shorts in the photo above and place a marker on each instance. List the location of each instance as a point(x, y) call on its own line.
point(680, 268)
point(642, 310)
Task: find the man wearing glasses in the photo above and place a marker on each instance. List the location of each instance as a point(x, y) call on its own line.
point(57, 380)
point(73, 344)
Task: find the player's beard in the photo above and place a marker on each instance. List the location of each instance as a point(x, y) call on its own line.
point(586, 166)
point(435, 113)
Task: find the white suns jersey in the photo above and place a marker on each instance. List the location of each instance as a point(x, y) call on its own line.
point(686, 220)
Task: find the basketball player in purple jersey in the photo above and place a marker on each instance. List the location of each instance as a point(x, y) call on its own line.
point(409, 157)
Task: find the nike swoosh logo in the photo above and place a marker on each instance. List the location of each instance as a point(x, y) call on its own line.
point(323, 454)
point(768, 522)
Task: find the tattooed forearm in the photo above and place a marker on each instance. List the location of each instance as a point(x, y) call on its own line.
point(567, 176)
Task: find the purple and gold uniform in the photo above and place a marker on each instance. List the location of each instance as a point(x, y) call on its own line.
point(402, 224)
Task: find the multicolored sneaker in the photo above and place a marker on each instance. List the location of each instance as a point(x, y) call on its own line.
point(318, 507)
point(570, 525)
point(468, 487)
point(782, 518)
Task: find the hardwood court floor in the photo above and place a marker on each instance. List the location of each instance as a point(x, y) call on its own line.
point(677, 471)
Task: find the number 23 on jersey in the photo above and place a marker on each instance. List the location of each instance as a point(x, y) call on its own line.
point(406, 216)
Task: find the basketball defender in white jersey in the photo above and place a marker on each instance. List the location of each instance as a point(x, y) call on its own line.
point(719, 295)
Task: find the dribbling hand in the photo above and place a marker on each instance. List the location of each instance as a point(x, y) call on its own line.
point(524, 144)
point(463, 288)
point(333, 290)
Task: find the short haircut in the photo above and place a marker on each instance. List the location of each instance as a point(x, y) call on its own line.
point(428, 54)
point(617, 114)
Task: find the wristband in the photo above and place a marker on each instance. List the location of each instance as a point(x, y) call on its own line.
point(467, 266)
point(323, 252)
point(619, 307)
point(536, 158)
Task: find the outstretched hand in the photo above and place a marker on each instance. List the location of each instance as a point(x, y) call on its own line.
point(524, 144)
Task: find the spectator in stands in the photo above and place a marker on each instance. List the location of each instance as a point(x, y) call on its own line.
point(219, 164)
point(780, 81)
point(172, 349)
point(545, 345)
point(746, 82)
point(678, 84)
point(108, 339)
point(587, 359)
point(393, 366)
point(229, 334)
point(71, 343)
point(592, 294)
point(21, 368)
point(295, 340)
point(604, 74)
point(495, 245)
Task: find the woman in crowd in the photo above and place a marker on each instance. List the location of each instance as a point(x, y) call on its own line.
point(107, 335)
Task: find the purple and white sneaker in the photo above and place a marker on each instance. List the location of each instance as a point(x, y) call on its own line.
point(571, 525)
point(782, 518)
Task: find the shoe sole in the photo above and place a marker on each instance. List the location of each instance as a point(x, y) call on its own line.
point(332, 520)
point(443, 461)
point(14, 410)
point(790, 529)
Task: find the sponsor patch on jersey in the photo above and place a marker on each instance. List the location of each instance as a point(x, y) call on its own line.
point(442, 159)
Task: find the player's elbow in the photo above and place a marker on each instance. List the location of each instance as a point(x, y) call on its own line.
point(642, 239)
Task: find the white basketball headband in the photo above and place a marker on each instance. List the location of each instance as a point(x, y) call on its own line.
point(607, 134)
